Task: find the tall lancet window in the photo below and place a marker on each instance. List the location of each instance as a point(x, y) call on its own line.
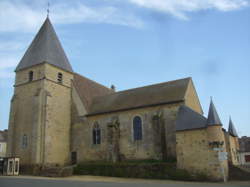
point(96, 134)
point(60, 78)
point(137, 128)
point(31, 76)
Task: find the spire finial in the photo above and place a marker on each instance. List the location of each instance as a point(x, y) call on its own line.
point(48, 10)
point(211, 98)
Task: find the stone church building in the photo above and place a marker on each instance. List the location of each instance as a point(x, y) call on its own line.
point(59, 117)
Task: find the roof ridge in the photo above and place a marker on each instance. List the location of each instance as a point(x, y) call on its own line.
point(187, 78)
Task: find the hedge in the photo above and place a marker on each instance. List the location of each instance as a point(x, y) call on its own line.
point(137, 169)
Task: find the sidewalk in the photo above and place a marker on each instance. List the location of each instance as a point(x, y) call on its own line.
point(87, 178)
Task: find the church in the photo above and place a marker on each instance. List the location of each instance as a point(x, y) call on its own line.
point(61, 118)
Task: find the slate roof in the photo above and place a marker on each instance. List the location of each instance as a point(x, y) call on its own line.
point(213, 117)
point(3, 136)
point(45, 47)
point(188, 119)
point(231, 129)
point(163, 93)
point(88, 89)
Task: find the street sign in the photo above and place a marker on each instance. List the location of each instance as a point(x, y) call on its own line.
point(222, 156)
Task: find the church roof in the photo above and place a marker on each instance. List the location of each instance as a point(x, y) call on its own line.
point(213, 117)
point(88, 89)
point(231, 129)
point(45, 47)
point(163, 93)
point(188, 119)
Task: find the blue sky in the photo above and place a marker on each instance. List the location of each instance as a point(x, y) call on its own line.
point(132, 43)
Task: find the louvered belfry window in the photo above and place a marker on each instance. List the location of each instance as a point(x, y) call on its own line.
point(137, 127)
point(96, 134)
point(60, 78)
point(31, 76)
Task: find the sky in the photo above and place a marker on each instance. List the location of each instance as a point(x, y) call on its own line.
point(133, 43)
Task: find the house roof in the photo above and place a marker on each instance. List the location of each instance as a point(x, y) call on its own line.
point(3, 136)
point(45, 47)
point(88, 89)
point(231, 129)
point(188, 119)
point(163, 93)
point(213, 117)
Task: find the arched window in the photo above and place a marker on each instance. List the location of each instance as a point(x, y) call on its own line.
point(60, 78)
point(96, 134)
point(137, 127)
point(31, 76)
point(24, 141)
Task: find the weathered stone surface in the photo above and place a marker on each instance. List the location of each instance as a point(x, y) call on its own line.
point(41, 110)
point(195, 153)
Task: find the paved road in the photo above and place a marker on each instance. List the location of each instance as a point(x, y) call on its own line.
point(84, 182)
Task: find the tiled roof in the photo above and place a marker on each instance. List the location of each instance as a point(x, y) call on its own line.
point(231, 129)
point(213, 117)
point(88, 89)
point(163, 93)
point(46, 47)
point(3, 136)
point(188, 119)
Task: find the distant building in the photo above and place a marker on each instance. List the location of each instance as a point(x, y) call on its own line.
point(3, 143)
point(59, 118)
point(244, 150)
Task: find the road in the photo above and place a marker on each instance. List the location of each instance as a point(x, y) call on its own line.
point(89, 181)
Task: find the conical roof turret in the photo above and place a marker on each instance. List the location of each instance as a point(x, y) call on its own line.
point(213, 117)
point(45, 47)
point(231, 128)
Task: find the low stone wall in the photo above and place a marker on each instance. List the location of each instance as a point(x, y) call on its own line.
point(51, 171)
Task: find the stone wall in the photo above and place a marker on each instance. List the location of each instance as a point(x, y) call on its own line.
point(40, 110)
point(58, 118)
point(196, 155)
point(2, 149)
point(233, 149)
point(150, 147)
point(192, 99)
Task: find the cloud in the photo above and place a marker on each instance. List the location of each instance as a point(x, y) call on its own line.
point(6, 67)
point(20, 16)
point(180, 8)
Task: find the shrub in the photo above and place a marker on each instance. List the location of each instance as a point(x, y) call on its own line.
point(150, 169)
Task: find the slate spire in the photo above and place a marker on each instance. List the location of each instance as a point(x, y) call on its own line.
point(213, 117)
point(231, 128)
point(45, 47)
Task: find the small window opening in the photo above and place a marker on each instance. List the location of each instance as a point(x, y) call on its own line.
point(73, 157)
point(25, 141)
point(31, 76)
point(60, 78)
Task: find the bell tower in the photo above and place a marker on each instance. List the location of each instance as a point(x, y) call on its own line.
point(40, 116)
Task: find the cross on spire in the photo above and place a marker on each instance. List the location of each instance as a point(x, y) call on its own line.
point(48, 10)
